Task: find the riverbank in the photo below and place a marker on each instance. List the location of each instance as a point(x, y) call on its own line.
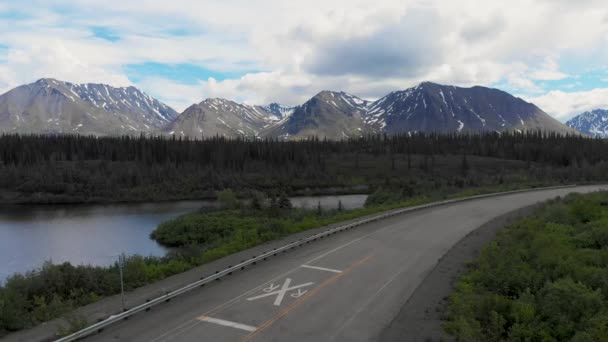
point(97, 234)
point(24, 199)
point(111, 305)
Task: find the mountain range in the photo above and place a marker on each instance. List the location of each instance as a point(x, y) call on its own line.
point(431, 107)
point(593, 123)
point(50, 106)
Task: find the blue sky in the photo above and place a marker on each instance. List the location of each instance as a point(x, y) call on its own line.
point(183, 51)
point(105, 33)
point(183, 73)
point(584, 81)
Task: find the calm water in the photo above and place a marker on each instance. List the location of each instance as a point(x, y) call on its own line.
point(97, 234)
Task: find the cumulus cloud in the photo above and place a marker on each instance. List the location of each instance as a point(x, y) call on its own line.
point(564, 105)
point(386, 51)
point(287, 51)
point(549, 71)
point(483, 29)
point(179, 96)
point(56, 60)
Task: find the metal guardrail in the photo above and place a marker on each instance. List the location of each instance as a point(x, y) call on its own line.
point(143, 307)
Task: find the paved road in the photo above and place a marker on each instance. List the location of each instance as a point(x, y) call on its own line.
point(344, 288)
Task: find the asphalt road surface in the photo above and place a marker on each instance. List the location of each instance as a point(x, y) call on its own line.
point(347, 287)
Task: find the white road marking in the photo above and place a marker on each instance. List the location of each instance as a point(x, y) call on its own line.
point(188, 325)
point(272, 290)
point(322, 268)
point(184, 327)
point(228, 323)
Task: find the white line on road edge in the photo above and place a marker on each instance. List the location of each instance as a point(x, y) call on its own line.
point(228, 323)
point(322, 269)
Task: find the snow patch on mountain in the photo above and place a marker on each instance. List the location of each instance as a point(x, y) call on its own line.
point(593, 123)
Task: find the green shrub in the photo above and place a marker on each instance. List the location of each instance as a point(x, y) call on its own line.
point(227, 199)
point(28, 299)
point(544, 278)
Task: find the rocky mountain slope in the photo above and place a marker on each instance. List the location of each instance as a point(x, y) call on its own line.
point(219, 117)
point(279, 110)
point(431, 107)
point(329, 114)
point(593, 123)
point(50, 106)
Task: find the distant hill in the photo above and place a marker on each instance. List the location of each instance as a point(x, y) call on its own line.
point(50, 106)
point(593, 123)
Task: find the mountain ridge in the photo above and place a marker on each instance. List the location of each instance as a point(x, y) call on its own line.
point(52, 106)
point(593, 123)
point(432, 107)
point(49, 106)
point(328, 114)
point(221, 117)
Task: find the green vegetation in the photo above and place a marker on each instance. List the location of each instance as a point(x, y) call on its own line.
point(30, 299)
point(231, 230)
point(543, 279)
point(77, 169)
point(33, 298)
point(421, 167)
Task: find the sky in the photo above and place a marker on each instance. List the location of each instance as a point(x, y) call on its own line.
point(553, 53)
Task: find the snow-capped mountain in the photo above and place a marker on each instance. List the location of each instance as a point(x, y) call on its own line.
point(431, 107)
point(428, 107)
point(279, 110)
point(52, 106)
point(220, 117)
point(593, 123)
point(329, 114)
point(125, 100)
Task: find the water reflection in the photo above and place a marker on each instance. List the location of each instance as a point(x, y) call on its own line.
point(96, 234)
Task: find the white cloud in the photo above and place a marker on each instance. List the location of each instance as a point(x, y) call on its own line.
point(55, 60)
point(301, 47)
point(177, 95)
point(549, 71)
point(564, 105)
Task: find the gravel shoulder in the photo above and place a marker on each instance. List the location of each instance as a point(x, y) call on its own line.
point(420, 319)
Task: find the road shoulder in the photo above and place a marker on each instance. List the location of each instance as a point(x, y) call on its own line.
point(420, 318)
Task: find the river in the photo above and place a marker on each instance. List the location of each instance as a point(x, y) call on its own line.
point(97, 234)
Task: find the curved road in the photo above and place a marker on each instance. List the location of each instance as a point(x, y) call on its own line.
point(344, 288)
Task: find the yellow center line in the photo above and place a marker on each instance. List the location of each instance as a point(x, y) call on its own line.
point(302, 299)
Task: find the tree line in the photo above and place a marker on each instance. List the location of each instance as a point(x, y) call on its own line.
point(72, 168)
